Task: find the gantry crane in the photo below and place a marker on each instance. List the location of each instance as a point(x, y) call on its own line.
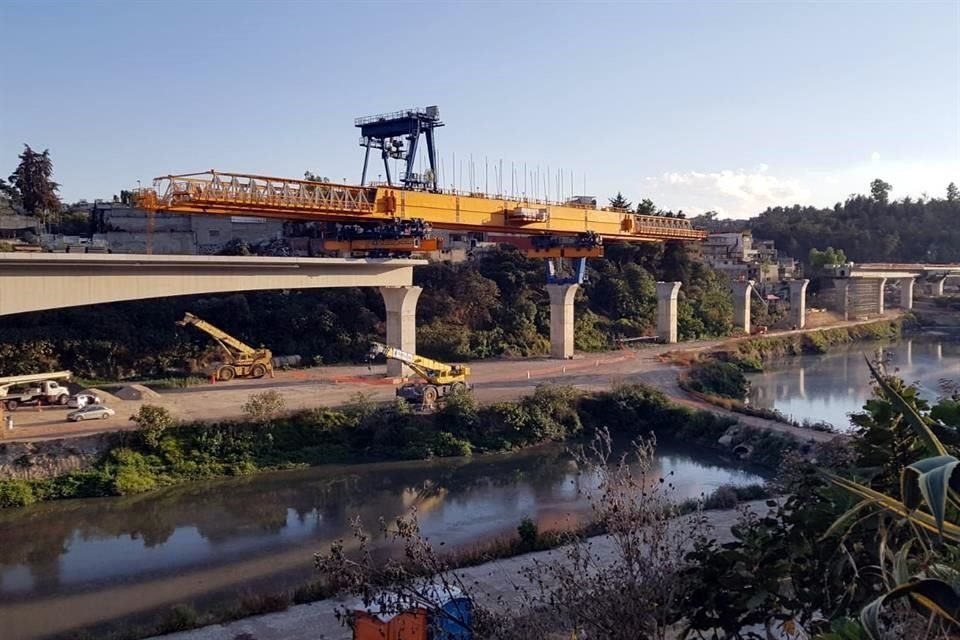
point(396, 219)
point(439, 378)
point(240, 359)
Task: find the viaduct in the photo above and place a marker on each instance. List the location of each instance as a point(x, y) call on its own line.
point(34, 282)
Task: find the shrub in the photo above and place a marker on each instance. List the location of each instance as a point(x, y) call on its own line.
point(133, 473)
point(264, 407)
point(446, 444)
point(180, 618)
point(720, 378)
point(152, 421)
point(16, 493)
point(723, 497)
point(529, 535)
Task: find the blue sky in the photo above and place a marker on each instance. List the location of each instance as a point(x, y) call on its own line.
point(727, 106)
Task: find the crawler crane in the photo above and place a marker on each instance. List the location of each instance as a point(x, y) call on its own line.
point(439, 379)
point(240, 359)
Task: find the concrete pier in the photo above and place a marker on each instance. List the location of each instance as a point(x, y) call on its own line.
point(936, 287)
point(741, 304)
point(667, 293)
point(401, 304)
point(798, 303)
point(881, 285)
point(561, 319)
point(906, 292)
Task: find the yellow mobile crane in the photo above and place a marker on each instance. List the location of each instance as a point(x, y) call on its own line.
point(439, 379)
point(241, 360)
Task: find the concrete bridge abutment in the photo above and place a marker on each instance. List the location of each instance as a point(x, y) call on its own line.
point(561, 319)
point(667, 294)
point(401, 305)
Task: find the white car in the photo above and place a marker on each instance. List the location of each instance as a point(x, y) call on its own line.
point(80, 400)
point(91, 412)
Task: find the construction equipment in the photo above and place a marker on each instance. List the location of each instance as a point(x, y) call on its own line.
point(439, 378)
point(240, 359)
point(34, 389)
point(394, 239)
point(237, 194)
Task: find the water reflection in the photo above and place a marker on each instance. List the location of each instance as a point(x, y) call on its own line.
point(83, 545)
point(829, 387)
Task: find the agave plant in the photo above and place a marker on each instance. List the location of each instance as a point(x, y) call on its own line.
point(929, 503)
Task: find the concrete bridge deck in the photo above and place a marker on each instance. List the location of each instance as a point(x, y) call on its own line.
point(34, 282)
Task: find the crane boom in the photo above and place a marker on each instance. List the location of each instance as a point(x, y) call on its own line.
point(220, 193)
point(228, 342)
point(11, 381)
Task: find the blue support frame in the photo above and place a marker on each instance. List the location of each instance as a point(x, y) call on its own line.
point(555, 268)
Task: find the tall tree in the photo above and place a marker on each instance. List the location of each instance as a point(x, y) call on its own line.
point(647, 208)
point(619, 202)
point(32, 182)
point(953, 192)
point(880, 190)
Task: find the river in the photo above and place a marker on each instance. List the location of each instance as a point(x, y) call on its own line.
point(76, 564)
point(827, 388)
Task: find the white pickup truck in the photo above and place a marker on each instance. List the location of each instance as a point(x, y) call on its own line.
point(44, 392)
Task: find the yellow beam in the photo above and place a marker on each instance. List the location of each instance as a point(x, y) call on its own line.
point(241, 194)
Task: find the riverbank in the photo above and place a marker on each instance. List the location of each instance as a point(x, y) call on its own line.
point(494, 582)
point(751, 354)
point(715, 376)
point(132, 463)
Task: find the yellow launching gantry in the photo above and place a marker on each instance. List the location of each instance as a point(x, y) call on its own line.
point(220, 193)
point(397, 218)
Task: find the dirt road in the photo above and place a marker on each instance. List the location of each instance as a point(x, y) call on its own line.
point(493, 380)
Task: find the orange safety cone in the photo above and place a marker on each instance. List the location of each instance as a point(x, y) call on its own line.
point(213, 378)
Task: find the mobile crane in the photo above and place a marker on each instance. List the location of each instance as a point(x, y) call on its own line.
point(439, 379)
point(241, 360)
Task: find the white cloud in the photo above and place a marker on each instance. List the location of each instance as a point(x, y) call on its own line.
point(731, 193)
point(744, 193)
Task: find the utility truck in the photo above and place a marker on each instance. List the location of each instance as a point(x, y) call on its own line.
point(34, 389)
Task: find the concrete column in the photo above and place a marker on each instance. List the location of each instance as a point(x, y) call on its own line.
point(844, 297)
point(667, 293)
point(880, 302)
point(401, 304)
point(561, 319)
point(936, 287)
point(798, 303)
point(906, 292)
point(741, 304)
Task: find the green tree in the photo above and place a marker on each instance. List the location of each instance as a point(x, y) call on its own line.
point(152, 422)
point(821, 260)
point(953, 192)
point(312, 177)
point(880, 190)
point(32, 185)
point(619, 202)
point(647, 208)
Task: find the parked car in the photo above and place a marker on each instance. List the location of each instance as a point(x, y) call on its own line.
point(91, 412)
point(80, 400)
